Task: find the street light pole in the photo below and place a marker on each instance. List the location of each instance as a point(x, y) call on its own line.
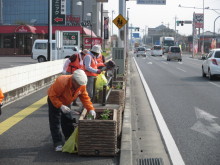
point(112, 20)
point(203, 28)
point(81, 3)
point(90, 14)
point(214, 25)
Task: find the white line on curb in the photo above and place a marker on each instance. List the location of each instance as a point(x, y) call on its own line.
point(172, 149)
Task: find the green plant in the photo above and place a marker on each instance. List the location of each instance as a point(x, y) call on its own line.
point(105, 115)
point(89, 117)
point(118, 86)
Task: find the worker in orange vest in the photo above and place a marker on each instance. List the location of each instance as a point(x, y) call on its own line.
point(77, 63)
point(1, 99)
point(91, 68)
point(100, 58)
point(61, 93)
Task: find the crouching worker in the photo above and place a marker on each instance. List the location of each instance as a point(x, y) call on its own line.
point(61, 94)
point(1, 98)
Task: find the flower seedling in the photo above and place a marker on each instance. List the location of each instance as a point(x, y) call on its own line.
point(105, 115)
point(118, 86)
point(89, 117)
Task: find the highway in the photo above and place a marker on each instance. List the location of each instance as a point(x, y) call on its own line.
point(189, 105)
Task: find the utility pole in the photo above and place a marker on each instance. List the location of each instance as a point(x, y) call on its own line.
point(175, 31)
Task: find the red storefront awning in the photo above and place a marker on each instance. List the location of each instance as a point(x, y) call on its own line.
point(11, 29)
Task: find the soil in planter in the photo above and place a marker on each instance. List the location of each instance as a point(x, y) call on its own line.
point(98, 116)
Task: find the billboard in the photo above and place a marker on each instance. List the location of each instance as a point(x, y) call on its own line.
point(198, 20)
point(106, 28)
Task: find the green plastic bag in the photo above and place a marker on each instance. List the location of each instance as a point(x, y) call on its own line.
point(71, 145)
point(101, 81)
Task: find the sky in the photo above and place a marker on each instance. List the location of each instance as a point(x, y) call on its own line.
point(151, 16)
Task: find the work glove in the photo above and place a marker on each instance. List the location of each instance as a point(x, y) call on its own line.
point(65, 109)
point(93, 113)
point(99, 71)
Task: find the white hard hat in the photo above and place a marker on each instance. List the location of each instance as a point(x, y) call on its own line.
point(96, 49)
point(80, 77)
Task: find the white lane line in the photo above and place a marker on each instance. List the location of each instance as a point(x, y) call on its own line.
point(172, 149)
point(164, 62)
point(180, 62)
point(214, 84)
point(181, 69)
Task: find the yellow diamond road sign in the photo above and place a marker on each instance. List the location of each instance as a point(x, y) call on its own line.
point(119, 21)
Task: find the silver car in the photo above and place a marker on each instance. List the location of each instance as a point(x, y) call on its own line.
point(211, 64)
point(174, 53)
point(141, 51)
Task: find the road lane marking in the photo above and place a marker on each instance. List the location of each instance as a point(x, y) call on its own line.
point(205, 123)
point(181, 69)
point(214, 84)
point(164, 62)
point(170, 144)
point(10, 122)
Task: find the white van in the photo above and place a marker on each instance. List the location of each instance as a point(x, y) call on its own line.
point(39, 51)
point(157, 51)
point(174, 53)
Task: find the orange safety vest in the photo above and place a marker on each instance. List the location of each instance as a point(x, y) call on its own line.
point(74, 65)
point(99, 59)
point(1, 96)
point(93, 65)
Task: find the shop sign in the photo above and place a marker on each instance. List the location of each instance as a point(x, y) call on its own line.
point(58, 11)
point(71, 38)
point(94, 41)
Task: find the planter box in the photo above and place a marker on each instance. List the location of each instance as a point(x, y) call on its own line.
point(98, 137)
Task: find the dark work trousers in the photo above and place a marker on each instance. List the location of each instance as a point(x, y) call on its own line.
point(89, 85)
point(56, 120)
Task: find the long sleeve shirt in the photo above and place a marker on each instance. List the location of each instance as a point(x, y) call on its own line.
point(61, 92)
point(87, 63)
point(1, 96)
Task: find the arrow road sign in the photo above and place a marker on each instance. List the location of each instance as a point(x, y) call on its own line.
point(205, 123)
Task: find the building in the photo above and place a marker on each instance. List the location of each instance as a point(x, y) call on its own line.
point(23, 21)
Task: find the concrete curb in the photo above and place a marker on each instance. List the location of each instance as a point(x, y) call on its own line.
point(126, 139)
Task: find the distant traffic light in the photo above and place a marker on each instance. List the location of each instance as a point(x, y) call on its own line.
point(137, 29)
point(180, 22)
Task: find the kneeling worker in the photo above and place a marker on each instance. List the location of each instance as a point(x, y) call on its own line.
point(61, 94)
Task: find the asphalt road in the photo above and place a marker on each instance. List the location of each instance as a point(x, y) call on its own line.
point(9, 62)
point(189, 104)
point(29, 141)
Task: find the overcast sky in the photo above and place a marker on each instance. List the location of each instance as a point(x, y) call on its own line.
point(144, 16)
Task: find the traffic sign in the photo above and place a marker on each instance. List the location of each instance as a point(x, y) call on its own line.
point(119, 21)
point(151, 2)
point(71, 38)
point(94, 41)
point(58, 11)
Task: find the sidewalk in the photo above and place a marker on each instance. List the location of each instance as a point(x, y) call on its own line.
point(141, 139)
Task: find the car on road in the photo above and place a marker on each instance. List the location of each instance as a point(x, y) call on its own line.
point(211, 64)
point(174, 53)
point(141, 51)
point(156, 50)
